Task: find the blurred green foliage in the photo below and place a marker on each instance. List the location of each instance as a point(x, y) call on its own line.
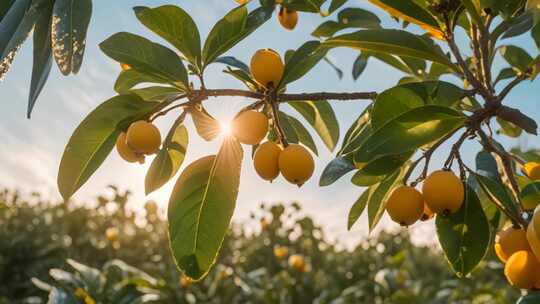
point(104, 253)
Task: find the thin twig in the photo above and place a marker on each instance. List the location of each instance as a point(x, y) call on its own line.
point(520, 78)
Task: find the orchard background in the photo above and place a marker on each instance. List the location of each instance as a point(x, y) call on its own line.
point(33, 152)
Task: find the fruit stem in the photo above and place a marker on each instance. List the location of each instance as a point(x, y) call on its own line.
point(275, 115)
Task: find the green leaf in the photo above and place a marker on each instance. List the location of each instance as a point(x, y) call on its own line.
point(359, 66)
point(532, 297)
point(335, 5)
point(517, 57)
point(504, 74)
point(498, 193)
point(233, 28)
point(474, 10)
point(168, 160)
point(69, 28)
point(5, 6)
point(14, 29)
point(42, 63)
point(358, 208)
point(360, 179)
point(312, 6)
point(520, 25)
point(321, 116)
point(234, 62)
point(396, 42)
point(94, 139)
point(206, 125)
point(131, 78)
point(175, 26)
point(509, 129)
point(302, 61)
point(409, 11)
point(156, 93)
point(244, 77)
point(530, 196)
point(301, 133)
point(377, 201)
point(486, 165)
point(411, 130)
point(146, 57)
point(464, 236)
point(380, 167)
point(400, 99)
point(201, 207)
point(335, 170)
point(348, 18)
point(535, 33)
point(358, 132)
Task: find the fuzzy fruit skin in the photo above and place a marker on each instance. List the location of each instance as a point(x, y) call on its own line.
point(510, 240)
point(521, 270)
point(267, 68)
point(126, 152)
point(297, 262)
point(143, 137)
point(250, 127)
point(405, 205)
point(266, 160)
point(534, 241)
point(532, 169)
point(443, 192)
point(288, 18)
point(296, 164)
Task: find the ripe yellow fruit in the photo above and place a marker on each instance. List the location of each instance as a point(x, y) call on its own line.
point(125, 66)
point(281, 251)
point(405, 205)
point(112, 234)
point(428, 214)
point(521, 270)
point(143, 137)
point(250, 127)
point(532, 169)
point(296, 164)
point(443, 192)
point(267, 68)
point(509, 241)
point(185, 282)
point(126, 152)
point(288, 18)
point(297, 262)
point(534, 241)
point(266, 160)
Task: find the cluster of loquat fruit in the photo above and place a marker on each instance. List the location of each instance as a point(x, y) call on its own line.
point(442, 193)
point(287, 18)
point(519, 248)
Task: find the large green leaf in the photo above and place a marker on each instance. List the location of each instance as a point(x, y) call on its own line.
point(498, 193)
point(358, 208)
point(201, 207)
point(4, 7)
point(400, 99)
point(409, 131)
point(361, 127)
point(94, 139)
point(230, 30)
point(409, 11)
point(464, 236)
point(146, 57)
point(387, 41)
point(156, 93)
point(334, 170)
point(302, 61)
point(377, 200)
point(312, 6)
point(377, 169)
point(69, 28)
point(301, 132)
point(176, 26)
point(131, 78)
point(206, 125)
point(42, 55)
point(348, 18)
point(323, 119)
point(168, 160)
point(14, 29)
point(517, 57)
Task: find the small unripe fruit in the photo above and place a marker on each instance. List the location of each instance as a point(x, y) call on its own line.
point(297, 262)
point(443, 192)
point(532, 170)
point(405, 205)
point(428, 214)
point(288, 18)
point(126, 152)
point(280, 252)
point(266, 160)
point(250, 127)
point(522, 270)
point(509, 241)
point(296, 164)
point(267, 68)
point(143, 137)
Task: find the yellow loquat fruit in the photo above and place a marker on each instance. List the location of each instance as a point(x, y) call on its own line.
point(126, 152)
point(250, 127)
point(521, 270)
point(510, 240)
point(405, 205)
point(267, 68)
point(443, 192)
point(296, 164)
point(266, 160)
point(288, 18)
point(143, 137)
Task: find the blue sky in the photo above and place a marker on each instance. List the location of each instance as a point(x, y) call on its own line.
point(31, 149)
